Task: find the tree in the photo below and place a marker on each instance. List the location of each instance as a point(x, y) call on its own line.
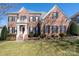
point(5, 7)
point(74, 28)
point(4, 33)
point(77, 29)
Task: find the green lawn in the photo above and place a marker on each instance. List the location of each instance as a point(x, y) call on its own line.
point(39, 47)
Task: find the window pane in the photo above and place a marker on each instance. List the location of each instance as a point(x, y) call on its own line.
point(34, 18)
point(62, 28)
point(13, 29)
point(55, 15)
point(10, 18)
point(30, 29)
point(54, 29)
point(22, 17)
point(78, 19)
point(47, 29)
point(36, 29)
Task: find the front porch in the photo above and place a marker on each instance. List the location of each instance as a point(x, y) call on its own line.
point(22, 32)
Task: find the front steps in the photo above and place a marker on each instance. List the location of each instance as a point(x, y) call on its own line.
point(21, 37)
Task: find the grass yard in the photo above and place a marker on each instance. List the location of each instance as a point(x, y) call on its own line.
point(39, 48)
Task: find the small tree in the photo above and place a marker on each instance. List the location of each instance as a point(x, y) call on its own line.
point(77, 29)
point(74, 29)
point(4, 33)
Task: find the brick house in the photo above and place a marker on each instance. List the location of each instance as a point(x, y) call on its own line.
point(23, 22)
point(75, 17)
point(55, 22)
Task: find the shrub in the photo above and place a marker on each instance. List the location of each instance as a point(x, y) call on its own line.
point(11, 37)
point(4, 33)
point(31, 34)
point(36, 35)
point(62, 35)
point(42, 35)
point(74, 29)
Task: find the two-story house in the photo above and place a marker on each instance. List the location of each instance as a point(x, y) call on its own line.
point(23, 22)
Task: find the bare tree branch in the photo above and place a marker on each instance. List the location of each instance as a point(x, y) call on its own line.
point(4, 7)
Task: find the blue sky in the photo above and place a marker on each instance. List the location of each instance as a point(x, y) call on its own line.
point(68, 8)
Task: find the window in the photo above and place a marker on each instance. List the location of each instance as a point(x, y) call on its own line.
point(47, 29)
point(33, 18)
point(30, 29)
point(62, 28)
point(37, 18)
point(36, 29)
point(54, 29)
point(13, 29)
point(78, 19)
point(55, 15)
point(11, 18)
point(30, 18)
point(22, 17)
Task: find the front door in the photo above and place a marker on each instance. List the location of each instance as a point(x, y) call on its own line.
point(22, 28)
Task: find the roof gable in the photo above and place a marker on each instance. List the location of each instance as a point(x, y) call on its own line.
point(23, 10)
point(55, 6)
point(74, 15)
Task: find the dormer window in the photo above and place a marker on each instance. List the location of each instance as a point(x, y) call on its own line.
point(22, 17)
point(55, 15)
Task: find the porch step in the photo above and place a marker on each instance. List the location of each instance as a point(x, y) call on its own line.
point(20, 37)
point(25, 36)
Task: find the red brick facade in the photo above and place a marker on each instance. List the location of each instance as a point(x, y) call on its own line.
point(61, 20)
point(54, 22)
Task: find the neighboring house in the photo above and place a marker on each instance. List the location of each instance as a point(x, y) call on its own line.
point(74, 20)
point(0, 30)
point(75, 17)
point(23, 22)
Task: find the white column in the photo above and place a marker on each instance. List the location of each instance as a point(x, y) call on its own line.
point(18, 31)
point(21, 30)
point(37, 18)
point(26, 30)
point(31, 29)
point(10, 30)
